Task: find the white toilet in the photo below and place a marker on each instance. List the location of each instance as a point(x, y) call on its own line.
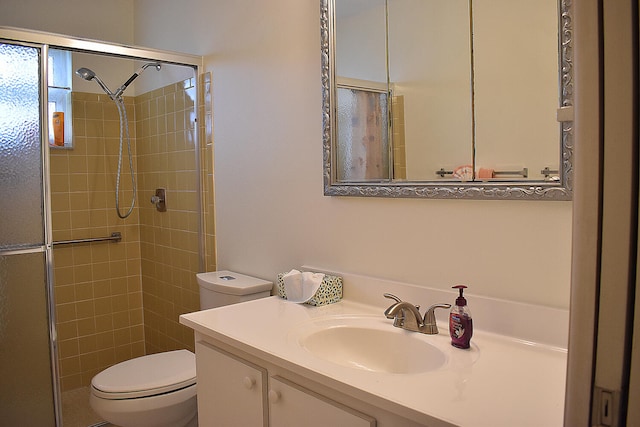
point(159, 390)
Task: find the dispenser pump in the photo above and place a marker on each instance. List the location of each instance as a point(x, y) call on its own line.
point(460, 322)
point(460, 301)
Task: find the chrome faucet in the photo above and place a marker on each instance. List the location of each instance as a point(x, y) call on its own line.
point(407, 316)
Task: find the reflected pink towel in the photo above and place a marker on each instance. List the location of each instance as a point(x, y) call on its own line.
point(463, 173)
point(484, 173)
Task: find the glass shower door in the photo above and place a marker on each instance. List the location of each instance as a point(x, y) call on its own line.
point(27, 380)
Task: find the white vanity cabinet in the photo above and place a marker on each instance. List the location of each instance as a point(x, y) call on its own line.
point(263, 344)
point(233, 392)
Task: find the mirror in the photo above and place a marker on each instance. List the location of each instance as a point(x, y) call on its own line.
point(425, 98)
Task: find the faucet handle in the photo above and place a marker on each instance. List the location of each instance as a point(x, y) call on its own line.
point(398, 319)
point(395, 298)
point(391, 296)
point(430, 317)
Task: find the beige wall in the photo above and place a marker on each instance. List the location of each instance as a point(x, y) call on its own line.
point(100, 20)
point(515, 122)
point(270, 211)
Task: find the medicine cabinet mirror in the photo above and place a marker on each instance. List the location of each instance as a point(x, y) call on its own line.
point(447, 99)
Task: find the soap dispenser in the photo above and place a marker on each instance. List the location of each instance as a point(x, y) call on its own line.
point(460, 323)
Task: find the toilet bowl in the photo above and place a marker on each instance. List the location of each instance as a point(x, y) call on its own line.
point(159, 390)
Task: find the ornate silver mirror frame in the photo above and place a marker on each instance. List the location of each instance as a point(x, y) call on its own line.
point(560, 189)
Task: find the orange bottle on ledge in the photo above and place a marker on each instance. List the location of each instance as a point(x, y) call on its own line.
point(58, 128)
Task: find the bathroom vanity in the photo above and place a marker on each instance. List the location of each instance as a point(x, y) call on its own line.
point(270, 362)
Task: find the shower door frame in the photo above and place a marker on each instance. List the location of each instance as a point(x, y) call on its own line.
point(44, 41)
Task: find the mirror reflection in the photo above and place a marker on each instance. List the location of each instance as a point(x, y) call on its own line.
point(423, 95)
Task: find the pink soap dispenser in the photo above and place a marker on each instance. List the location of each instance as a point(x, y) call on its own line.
point(460, 322)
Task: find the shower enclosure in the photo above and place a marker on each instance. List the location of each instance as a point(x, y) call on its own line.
point(82, 286)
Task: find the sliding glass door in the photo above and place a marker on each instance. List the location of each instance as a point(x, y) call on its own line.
point(27, 390)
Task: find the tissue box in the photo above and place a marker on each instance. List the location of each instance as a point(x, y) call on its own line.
point(330, 290)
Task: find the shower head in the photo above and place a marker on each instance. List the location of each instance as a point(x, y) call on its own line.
point(88, 75)
point(85, 73)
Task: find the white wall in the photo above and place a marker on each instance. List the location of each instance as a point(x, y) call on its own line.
point(100, 20)
point(271, 214)
point(516, 123)
point(360, 42)
point(430, 64)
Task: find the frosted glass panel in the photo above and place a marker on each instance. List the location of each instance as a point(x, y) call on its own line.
point(20, 152)
point(26, 393)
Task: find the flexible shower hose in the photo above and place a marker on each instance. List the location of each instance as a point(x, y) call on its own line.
point(124, 130)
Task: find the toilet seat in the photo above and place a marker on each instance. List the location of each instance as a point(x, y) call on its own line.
point(146, 376)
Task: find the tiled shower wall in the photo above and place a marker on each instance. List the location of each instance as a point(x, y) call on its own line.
point(120, 300)
point(169, 240)
point(98, 290)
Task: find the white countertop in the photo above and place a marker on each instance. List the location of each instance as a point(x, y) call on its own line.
point(500, 381)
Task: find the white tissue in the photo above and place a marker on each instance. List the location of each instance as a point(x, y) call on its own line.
point(301, 287)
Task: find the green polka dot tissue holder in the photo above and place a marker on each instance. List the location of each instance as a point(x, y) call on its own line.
point(309, 288)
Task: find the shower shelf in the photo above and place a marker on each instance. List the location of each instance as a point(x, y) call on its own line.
point(116, 236)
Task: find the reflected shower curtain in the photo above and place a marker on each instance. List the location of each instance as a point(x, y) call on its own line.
point(362, 136)
point(26, 378)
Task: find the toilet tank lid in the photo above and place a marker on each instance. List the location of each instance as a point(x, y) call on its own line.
point(229, 282)
point(151, 372)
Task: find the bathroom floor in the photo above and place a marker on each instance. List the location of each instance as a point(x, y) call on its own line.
point(76, 411)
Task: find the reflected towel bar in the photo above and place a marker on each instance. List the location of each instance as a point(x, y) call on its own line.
point(443, 172)
point(116, 236)
point(524, 172)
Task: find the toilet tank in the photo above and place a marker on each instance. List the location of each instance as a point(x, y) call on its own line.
point(218, 288)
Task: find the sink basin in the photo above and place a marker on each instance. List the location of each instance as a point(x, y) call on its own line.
point(372, 348)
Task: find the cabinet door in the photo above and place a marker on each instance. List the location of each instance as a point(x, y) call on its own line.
point(231, 391)
point(292, 405)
